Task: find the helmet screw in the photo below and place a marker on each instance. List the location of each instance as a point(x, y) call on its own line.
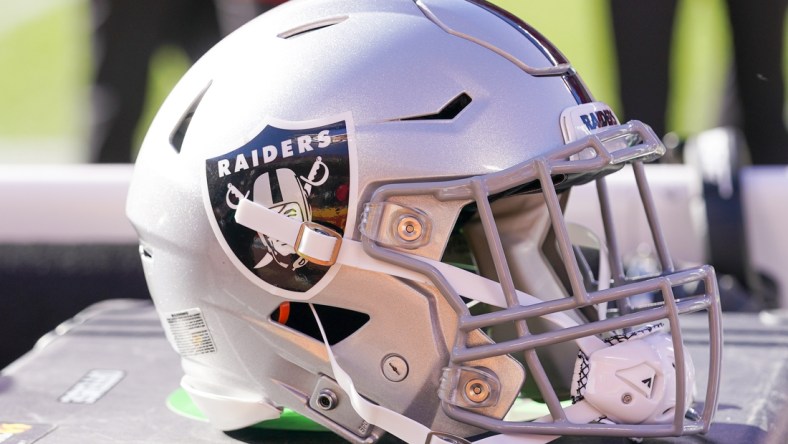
point(409, 228)
point(626, 398)
point(326, 399)
point(394, 367)
point(477, 390)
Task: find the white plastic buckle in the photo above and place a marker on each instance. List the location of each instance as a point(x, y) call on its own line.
point(306, 238)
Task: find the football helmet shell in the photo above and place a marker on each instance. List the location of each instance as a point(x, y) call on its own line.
point(412, 141)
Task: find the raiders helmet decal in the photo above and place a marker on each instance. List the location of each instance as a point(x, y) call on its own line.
point(299, 169)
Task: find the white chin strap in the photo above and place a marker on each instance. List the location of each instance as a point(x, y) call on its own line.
point(414, 432)
point(321, 245)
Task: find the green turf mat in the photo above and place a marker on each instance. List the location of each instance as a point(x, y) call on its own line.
point(180, 403)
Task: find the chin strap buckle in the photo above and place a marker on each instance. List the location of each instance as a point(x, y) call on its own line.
point(314, 243)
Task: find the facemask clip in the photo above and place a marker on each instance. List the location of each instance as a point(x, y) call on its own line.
point(469, 387)
point(396, 226)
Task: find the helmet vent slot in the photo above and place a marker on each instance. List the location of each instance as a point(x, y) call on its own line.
point(179, 133)
point(311, 27)
point(339, 323)
point(448, 112)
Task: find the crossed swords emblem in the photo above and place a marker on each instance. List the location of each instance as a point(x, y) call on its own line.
point(234, 196)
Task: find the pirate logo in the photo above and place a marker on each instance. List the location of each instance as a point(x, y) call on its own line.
point(302, 173)
point(294, 192)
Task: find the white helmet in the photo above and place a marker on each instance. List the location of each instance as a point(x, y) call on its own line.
point(423, 152)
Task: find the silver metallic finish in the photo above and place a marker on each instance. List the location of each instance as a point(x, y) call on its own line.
point(502, 375)
point(616, 262)
point(319, 59)
point(651, 214)
point(395, 368)
point(555, 70)
point(329, 401)
point(542, 169)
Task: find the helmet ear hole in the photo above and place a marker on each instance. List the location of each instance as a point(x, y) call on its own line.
point(339, 323)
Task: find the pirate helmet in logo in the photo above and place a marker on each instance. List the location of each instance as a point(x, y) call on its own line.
point(362, 202)
point(292, 202)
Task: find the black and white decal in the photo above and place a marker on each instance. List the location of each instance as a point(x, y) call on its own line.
point(303, 170)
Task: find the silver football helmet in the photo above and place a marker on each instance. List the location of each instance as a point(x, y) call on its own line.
point(354, 210)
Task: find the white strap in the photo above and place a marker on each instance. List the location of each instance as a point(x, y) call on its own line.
point(351, 253)
point(315, 246)
point(398, 425)
point(414, 432)
point(466, 283)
